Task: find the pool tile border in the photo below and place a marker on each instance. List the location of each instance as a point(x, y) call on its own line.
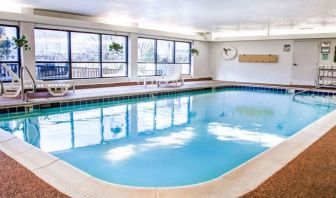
point(36, 105)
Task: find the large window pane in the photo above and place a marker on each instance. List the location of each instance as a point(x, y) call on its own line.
point(162, 69)
point(84, 47)
point(186, 69)
point(51, 45)
point(146, 69)
point(112, 56)
point(114, 69)
point(8, 54)
point(50, 71)
point(146, 50)
point(4, 75)
point(85, 70)
point(7, 51)
point(165, 51)
point(182, 52)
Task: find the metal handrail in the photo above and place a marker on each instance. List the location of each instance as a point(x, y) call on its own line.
point(24, 96)
point(317, 87)
point(1, 88)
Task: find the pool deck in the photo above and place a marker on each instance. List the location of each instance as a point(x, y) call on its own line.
point(241, 180)
point(311, 174)
point(45, 97)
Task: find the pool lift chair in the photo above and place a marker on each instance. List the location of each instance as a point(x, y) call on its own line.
point(18, 85)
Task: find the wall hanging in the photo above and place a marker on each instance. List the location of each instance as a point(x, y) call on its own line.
point(229, 52)
point(325, 47)
point(287, 48)
point(251, 58)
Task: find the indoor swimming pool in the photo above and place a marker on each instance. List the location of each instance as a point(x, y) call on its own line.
point(166, 141)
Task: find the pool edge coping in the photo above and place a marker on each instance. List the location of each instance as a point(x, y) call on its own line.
point(60, 101)
point(237, 182)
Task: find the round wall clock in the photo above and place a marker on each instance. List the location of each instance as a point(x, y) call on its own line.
point(229, 52)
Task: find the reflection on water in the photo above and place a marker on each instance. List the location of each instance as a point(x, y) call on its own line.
point(63, 131)
point(234, 133)
point(171, 141)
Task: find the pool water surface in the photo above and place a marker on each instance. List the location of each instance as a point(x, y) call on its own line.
point(166, 141)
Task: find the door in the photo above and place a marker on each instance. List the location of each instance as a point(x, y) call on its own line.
point(305, 63)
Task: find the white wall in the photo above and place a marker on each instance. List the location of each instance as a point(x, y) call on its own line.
point(233, 70)
point(201, 64)
point(273, 73)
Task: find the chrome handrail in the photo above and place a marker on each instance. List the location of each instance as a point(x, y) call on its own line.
point(317, 87)
point(24, 96)
point(1, 88)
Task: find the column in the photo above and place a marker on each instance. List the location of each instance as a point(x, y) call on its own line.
point(133, 57)
point(28, 57)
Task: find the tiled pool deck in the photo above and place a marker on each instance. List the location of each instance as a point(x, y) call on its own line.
point(102, 93)
point(94, 95)
point(235, 183)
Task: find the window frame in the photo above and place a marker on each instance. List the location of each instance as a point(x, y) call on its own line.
point(100, 61)
point(174, 55)
point(18, 52)
point(64, 62)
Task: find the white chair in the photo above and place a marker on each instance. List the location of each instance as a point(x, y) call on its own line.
point(55, 88)
point(172, 74)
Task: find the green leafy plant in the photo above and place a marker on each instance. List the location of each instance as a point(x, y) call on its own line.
point(21, 43)
point(194, 51)
point(116, 47)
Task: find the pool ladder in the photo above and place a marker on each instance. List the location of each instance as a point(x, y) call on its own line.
point(317, 87)
point(24, 96)
point(1, 88)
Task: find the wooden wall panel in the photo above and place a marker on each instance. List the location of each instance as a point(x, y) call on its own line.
point(251, 58)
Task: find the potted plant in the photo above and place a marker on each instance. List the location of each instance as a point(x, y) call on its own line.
point(115, 47)
point(194, 51)
point(21, 43)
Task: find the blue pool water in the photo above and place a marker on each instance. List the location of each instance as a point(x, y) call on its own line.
point(167, 141)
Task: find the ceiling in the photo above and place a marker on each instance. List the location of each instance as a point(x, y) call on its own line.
point(221, 17)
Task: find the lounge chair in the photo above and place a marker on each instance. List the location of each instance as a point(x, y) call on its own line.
point(172, 74)
point(55, 88)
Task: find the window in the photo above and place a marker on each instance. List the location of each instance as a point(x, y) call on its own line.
point(154, 55)
point(183, 56)
point(165, 51)
point(8, 54)
point(114, 62)
point(146, 57)
point(52, 54)
point(85, 55)
point(64, 54)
